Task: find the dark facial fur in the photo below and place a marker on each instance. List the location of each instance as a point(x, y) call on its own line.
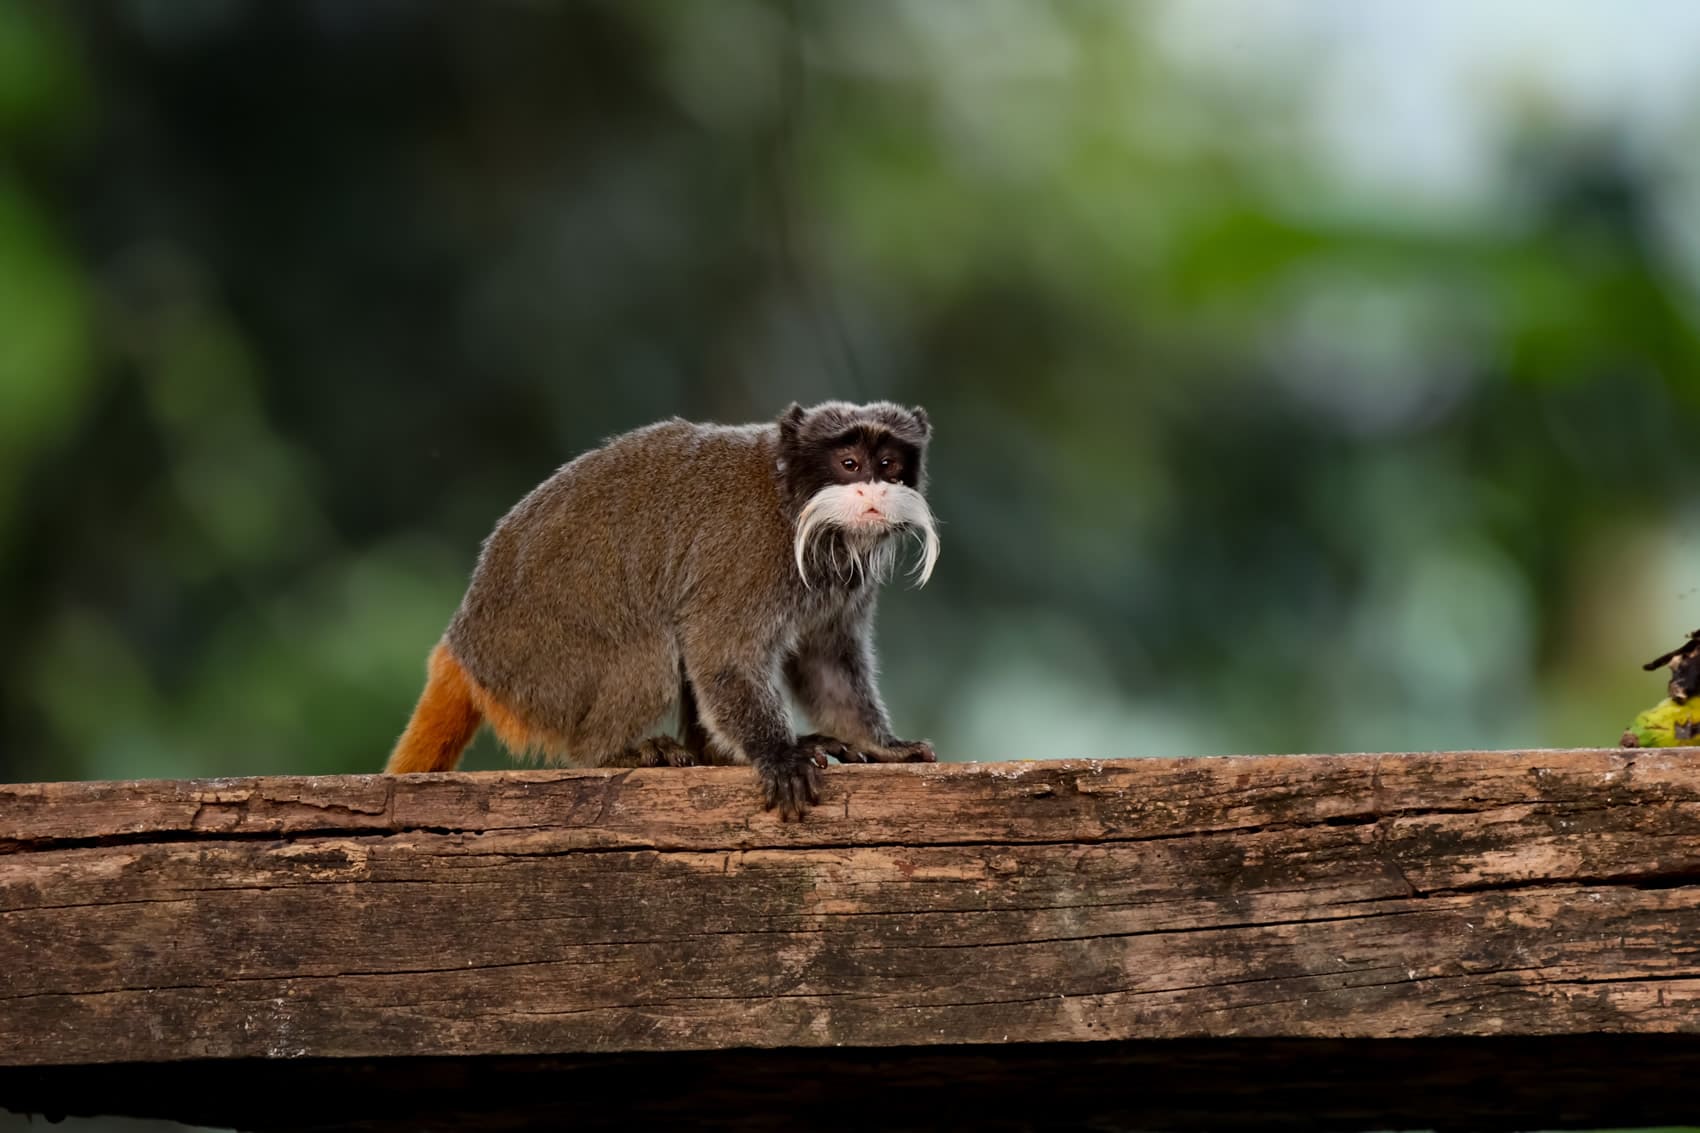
point(814, 443)
point(659, 570)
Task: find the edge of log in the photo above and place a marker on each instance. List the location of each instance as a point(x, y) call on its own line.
point(996, 922)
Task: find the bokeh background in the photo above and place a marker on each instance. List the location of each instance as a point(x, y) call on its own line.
point(1308, 375)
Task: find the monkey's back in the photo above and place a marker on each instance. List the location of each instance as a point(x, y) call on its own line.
point(574, 613)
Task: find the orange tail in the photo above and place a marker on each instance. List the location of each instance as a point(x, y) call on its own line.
point(443, 722)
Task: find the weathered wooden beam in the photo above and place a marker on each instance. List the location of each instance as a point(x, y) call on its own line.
point(987, 921)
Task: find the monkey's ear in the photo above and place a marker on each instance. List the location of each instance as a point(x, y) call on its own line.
point(791, 421)
point(922, 420)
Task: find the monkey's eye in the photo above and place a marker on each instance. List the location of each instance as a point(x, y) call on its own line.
point(849, 464)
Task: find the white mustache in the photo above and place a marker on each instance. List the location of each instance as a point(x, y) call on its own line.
point(838, 506)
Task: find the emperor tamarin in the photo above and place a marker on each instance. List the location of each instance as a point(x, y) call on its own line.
point(704, 567)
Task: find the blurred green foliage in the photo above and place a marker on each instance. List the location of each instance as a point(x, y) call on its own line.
point(1233, 454)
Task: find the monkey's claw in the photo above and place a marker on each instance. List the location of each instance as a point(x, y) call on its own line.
point(790, 782)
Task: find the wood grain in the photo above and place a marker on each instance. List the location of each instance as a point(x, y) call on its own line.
point(1533, 895)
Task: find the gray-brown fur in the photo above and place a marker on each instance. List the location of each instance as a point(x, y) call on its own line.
point(655, 573)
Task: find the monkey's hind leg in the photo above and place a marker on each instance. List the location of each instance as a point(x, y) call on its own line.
point(634, 685)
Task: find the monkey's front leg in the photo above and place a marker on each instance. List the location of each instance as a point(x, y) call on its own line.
point(698, 742)
point(743, 711)
point(833, 678)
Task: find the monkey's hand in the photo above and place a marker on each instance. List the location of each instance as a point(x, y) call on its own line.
point(790, 780)
point(901, 751)
point(895, 751)
point(832, 747)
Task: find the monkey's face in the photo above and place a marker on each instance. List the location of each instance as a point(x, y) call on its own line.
point(857, 473)
point(873, 470)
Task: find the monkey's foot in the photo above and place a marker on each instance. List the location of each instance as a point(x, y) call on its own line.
point(790, 781)
point(656, 751)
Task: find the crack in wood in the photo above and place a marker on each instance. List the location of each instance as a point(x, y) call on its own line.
point(1646, 880)
point(174, 836)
